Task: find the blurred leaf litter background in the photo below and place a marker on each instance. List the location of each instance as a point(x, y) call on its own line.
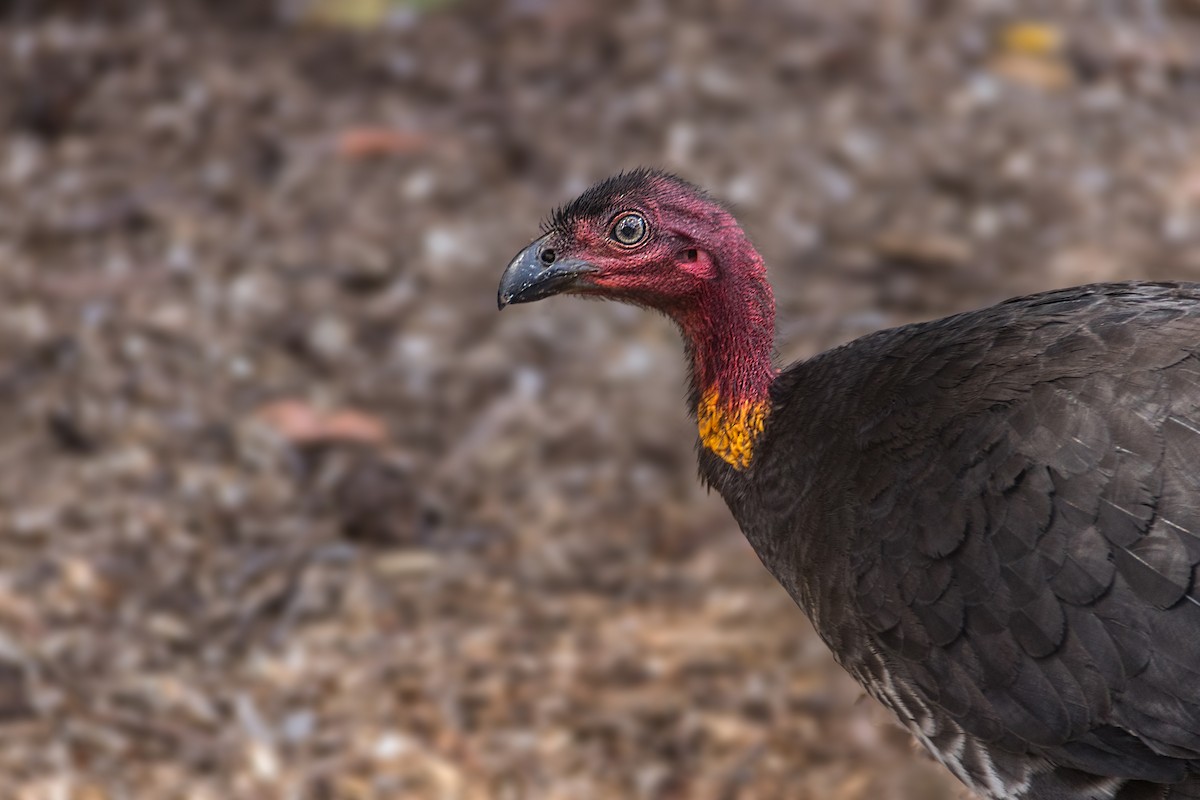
point(288, 510)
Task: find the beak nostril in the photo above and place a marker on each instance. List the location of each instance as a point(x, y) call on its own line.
point(548, 256)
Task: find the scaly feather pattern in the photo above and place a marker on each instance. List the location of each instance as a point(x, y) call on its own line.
point(994, 521)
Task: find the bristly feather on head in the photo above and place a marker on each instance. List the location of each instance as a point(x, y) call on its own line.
point(606, 194)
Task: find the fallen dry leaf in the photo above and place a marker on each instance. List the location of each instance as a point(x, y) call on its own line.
point(302, 424)
point(355, 14)
point(368, 142)
point(1032, 53)
point(1031, 39)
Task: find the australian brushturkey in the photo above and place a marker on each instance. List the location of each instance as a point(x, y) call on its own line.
point(993, 519)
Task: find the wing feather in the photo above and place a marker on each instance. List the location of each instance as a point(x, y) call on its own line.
point(1031, 564)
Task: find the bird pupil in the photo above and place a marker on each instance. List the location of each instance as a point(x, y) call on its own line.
point(630, 229)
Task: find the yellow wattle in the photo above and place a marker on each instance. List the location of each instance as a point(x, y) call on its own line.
point(730, 429)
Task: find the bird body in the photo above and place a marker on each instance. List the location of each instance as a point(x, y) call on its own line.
point(994, 522)
point(992, 519)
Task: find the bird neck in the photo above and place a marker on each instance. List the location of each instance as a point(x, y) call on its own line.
point(730, 339)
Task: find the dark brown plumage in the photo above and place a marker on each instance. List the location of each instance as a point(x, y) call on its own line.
point(993, 519)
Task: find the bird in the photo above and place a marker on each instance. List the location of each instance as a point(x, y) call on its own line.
point(992, 520)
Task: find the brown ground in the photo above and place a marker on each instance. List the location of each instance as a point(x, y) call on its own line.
point(492, 574)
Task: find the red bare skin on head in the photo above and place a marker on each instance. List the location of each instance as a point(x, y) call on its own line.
point(696, 265)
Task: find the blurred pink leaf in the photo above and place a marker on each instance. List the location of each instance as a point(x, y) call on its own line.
point(371, 142)
point(302, 424)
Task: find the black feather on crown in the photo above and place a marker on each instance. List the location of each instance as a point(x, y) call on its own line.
point(610, 192)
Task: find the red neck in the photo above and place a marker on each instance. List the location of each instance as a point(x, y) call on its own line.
point(730, 334)
point(730, 337)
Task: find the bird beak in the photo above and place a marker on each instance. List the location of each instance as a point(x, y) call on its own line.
point(531, 276)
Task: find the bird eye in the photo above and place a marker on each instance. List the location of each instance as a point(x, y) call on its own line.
point(630, 229)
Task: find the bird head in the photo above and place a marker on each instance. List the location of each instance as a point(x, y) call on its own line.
point(643, 237)
point(655, 240)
